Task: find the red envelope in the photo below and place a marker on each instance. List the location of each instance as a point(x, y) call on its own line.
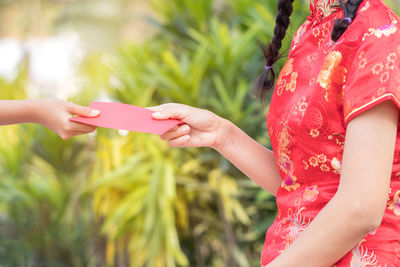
point(126, 117)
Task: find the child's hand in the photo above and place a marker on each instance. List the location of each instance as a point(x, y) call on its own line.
point(54, 114)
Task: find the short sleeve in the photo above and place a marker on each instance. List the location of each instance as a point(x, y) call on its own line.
point(374, 74)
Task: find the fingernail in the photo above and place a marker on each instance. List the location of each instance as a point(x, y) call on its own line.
point(95, 112)
point(156, 114)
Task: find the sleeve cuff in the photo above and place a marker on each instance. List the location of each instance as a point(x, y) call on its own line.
point(358, 110)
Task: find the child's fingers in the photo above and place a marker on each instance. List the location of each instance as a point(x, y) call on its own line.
point(176, 132)
point(83, 111)
point(69, 135)
point(80, 127)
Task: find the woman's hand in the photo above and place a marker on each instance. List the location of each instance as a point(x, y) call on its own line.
point(55, 114)
point(201, 128)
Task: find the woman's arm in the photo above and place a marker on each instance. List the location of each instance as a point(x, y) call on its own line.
point(51, 113)
point(249, 156)
point(204, 128)
point(360, 202)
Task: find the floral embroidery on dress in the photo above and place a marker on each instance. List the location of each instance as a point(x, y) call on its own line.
point(319, 161)
point(287, 84)
point(311, 193)
point(385, 30)
point(332, 74)
point(299, 33)
point(297, 224)
point(314, 133)
point(327, 7)
point(395, 204)
point(323, 8)
point(284, 83)
point(284, 162)
point(361, 257)
point(336, 165)
point(300, 107)
point(363, 60)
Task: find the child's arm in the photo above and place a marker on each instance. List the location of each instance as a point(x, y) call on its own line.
point(51, 113)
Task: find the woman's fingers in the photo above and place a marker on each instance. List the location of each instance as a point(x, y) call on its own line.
point(83, 111)
point(176, 132)
point(170, 111)
point(181, 141)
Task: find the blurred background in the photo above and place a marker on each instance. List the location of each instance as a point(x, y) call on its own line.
point(114, 198)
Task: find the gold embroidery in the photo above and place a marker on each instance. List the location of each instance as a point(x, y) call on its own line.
point(331, 73)
point(385, 77)
point(336, 165)
point(291, 86)
point(327, 7)
point(311, 193)
point(282, 82)
point(362, 63)
point(314, 133)
point(325, 168)
point(385, 30)
point(312, 57)
point(331, 62)
point(395, 204)
point(288, 68)
point(321, 158)
point(377, 68)
point(313, 161)
point(284, 162)
point(306, 166)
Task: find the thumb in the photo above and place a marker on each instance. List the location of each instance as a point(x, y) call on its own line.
point(83, 111)
point(179, 112)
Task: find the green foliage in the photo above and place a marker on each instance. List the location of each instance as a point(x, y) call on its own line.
point(116, 199)
point(130, 200)
point(211, 65)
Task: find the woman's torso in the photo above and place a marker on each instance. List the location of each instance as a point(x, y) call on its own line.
point(309, 111)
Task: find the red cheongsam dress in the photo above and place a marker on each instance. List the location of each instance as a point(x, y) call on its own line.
point(320, 89)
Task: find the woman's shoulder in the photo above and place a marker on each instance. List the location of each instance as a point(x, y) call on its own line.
point(376, 24)
point(375, 14)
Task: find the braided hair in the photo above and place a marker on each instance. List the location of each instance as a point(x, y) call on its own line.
point(271, 51)
point(350, 12)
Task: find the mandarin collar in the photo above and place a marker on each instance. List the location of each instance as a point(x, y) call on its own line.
point(322, 9)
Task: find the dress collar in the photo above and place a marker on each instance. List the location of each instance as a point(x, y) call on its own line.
point(323, 8)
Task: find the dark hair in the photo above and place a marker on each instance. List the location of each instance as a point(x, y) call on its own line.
point(350, 11)
point(271, 51)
